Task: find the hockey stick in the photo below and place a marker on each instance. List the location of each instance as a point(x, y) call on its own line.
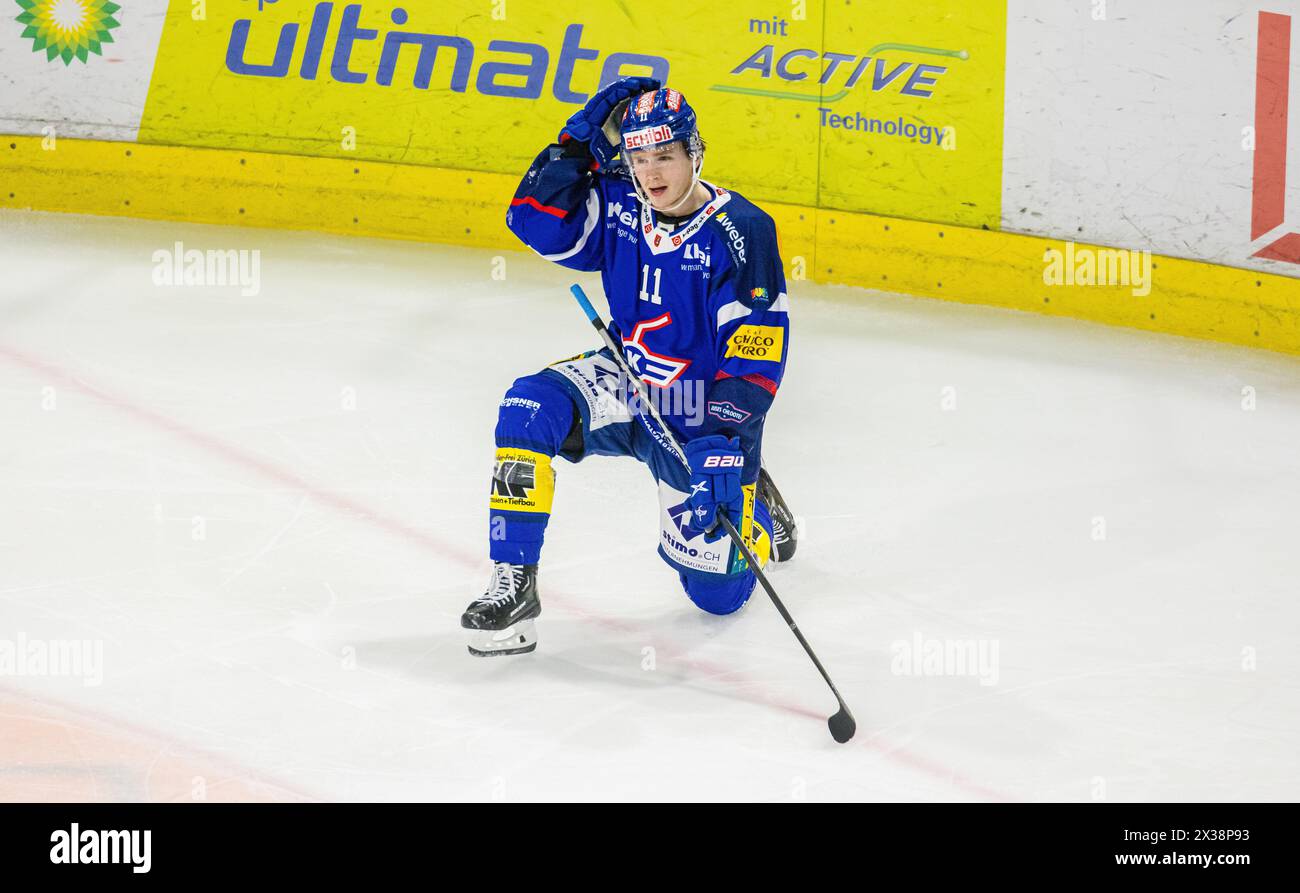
point(842, 724)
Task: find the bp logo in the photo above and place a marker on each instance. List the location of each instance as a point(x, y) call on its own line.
point(68, 29)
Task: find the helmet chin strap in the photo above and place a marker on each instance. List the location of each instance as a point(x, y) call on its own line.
point(695, 181)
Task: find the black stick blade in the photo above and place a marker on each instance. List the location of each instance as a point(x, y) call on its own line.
point(842, 726)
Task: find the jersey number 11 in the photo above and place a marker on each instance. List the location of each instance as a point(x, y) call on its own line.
point(645, 281)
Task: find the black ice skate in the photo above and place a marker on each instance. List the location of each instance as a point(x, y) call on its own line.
point(785, 535)
point(501, 620)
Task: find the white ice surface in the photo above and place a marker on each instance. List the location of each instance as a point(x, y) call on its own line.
point(276, 580)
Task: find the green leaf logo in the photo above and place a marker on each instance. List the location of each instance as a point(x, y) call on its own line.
point(68, 29)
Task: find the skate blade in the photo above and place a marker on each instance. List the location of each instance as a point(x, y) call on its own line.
point(517, 639)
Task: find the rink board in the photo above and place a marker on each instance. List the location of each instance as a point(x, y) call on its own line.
point(953, 263)
point(1162, 125)
point(784, 92)
point(1159, 126)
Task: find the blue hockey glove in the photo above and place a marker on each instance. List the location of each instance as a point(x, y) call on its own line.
point(587, 124)
point(716, 463)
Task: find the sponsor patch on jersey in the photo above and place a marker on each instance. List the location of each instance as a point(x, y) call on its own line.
point(734, 234)
point(522, 481)
point(598, 380)
point(694, 252)
point(759, 294)
point(683, 547)
point(757, 343)
point(727, 411)
point(521, 403)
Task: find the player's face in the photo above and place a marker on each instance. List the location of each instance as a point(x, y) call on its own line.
point(665, 173)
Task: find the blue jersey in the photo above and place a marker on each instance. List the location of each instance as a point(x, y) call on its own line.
point(698, 304)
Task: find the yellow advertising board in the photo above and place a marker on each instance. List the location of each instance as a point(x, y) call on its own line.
point(912, 127)
point(842, 104)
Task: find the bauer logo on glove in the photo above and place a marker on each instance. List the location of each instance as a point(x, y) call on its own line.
point(716, 463)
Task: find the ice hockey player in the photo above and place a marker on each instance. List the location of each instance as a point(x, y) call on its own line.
point(697, 295)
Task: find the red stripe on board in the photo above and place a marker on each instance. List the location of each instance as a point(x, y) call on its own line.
point(1272, 89)
point(534, 203)
point(1286, 248)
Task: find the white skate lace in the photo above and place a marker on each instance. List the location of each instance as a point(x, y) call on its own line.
point(506, 580)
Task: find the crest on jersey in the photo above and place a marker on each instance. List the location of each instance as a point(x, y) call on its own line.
point(652, 368)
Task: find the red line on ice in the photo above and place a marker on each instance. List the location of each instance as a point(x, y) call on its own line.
point(402, 530)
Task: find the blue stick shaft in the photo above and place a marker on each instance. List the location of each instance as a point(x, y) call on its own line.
point(665, 438)
point(585, 304)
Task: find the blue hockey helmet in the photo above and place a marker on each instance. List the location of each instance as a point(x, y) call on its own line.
point(660, 118)
point(657, 118)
